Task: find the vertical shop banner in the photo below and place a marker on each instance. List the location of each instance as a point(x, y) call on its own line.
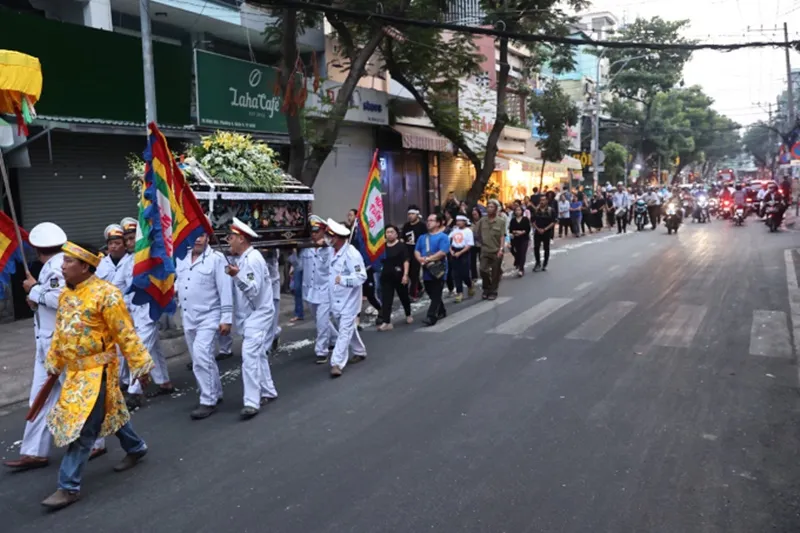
point(237, 94)
point(370, 213)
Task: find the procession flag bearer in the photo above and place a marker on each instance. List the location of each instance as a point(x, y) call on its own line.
point(347, 275)
point(43, 295)
point(253, 315)
point(92, 321)
point(316, 274)
point(206, 299)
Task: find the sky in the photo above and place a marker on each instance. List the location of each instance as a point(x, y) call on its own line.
point(737, 81)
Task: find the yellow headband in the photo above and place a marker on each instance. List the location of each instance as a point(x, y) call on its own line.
point(73, 250)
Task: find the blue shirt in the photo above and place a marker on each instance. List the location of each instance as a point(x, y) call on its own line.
point(429, 244)
point(575, 204)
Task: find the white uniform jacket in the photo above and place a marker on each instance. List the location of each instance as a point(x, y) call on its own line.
point(316, 273)
point(45, 295)
point(252, 293)
point(108, 271)
point(346, 295)
point(273, 267)
point(139, 313)
point(205, 291)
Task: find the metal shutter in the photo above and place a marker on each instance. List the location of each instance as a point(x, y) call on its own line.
point(84, 188)
point(455, 174)
point(341, 179)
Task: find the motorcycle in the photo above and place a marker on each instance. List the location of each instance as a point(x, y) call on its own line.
point(751, 207)
point(640, 214)
point(672, 219)
point(686, 206)
point(725, 210)
point(701, 213)
point(738, 215)
point(772, 216)
point(713, 208)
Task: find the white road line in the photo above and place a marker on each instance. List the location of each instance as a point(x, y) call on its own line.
point(465, 314)
point(520, 323)
point(681, 327)
point(636, 254)
point(601, 322)
point(584, 285)
point(794, 300)
point(612, 268)
point(769, 334)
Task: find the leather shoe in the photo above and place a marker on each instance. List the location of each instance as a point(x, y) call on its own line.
point(336, 371)
point(248, 412)
point(97, 452)
point(356, 359)
point(203, 411)
point(27, 462)
point(129, 461)
point(60, 499)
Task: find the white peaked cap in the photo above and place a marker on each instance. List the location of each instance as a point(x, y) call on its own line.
point(129, 224)
point(113, 231)
point(47, 235)
point(242, 229)
point(337, 228)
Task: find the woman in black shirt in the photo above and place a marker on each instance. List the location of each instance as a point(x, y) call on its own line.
point(520, 230)
point(394, 278)
point(544, 220)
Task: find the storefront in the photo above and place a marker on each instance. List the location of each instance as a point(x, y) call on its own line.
point(519, 173)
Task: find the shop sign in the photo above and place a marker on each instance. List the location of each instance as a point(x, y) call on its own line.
point(237, 94)
point(367, 106)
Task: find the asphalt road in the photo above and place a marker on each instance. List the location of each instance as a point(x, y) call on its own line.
point(644, 384)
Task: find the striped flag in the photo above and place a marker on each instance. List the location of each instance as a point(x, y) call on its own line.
point(370, 214)
point(10, 254)
point(170, 220)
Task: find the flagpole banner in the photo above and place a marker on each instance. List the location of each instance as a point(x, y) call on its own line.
point(10, 253)
point(370, 214)
point(170, 220)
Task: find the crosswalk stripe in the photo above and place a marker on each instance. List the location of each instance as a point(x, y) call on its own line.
point(769, 334)
point(602, 322)
point(681, 326)
point(523, 321)
point(465, 314)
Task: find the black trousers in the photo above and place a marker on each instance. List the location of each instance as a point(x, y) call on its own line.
point(474, 256)
point(654, 212)
point(369, 289)
point(622, 223)
point(541, 240)
point(563, 225)
point(389, 286)
point(413, 274)
point(434, 289)
point(519, 248)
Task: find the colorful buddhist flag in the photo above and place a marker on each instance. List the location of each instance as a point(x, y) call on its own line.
point(10, 254)
point(370, 214)
point(170, 220)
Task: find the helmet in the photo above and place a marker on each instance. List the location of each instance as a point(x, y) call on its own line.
point(738, 186)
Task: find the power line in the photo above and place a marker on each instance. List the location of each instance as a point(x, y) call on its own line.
point(519, 37)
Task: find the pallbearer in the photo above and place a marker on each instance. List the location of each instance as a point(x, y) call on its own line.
point(316, 276)
point(111, 266)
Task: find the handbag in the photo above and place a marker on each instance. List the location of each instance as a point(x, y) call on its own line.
point(435, 268)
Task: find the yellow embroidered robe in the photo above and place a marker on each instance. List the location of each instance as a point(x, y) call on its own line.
point(91, 322)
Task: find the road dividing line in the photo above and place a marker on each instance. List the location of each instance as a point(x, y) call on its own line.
point(584, 285)
point(601, 322)
point(520, 323)
point(769, 334)
point(636, 254)
point(681, 326)
point(794, 300)
point(465, 314)
point(612, 268)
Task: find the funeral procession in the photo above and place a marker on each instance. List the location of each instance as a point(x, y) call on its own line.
point(304, 266)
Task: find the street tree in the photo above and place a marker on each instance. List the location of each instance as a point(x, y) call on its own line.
point(554, 113)
point(759, 140)
point(615, 162)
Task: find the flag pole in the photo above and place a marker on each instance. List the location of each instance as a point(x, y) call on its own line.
point(7, 186)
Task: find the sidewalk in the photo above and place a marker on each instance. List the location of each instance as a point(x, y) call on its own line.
point(17, 343)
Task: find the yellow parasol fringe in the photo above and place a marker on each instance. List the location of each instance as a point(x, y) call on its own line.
point(20, 75)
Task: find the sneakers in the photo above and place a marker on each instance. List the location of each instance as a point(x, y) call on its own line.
point(385, 327)
point(247, 413)
point(537, 267)
point(321, 359)
point(459, 298)
point(130, 460)
point(61, 498)
point(356, 359)
point(336, 372)
point(203, 411)
point(471, 291)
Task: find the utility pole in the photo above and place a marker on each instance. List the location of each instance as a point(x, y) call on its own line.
point(790, 89)
point(147, 63)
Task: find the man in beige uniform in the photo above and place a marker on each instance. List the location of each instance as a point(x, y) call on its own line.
point(491, 231)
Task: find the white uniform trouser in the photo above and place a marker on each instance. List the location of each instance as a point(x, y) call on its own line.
point(201, 349)
point(276, 329)
point(36, 440)
point(256, 374)
point(326, 333)
point(150, 338)
point(225, 343)
point(348, 338)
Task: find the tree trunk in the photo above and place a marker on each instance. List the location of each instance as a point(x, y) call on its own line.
point(678, 169)
point(484, 173)
point(541, 177)
point(297, 145)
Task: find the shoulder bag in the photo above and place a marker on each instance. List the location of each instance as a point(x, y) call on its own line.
point(435, 268)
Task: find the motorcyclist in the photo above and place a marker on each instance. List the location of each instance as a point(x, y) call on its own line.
point(653, 201)
point(773, 194)
point(739, 198)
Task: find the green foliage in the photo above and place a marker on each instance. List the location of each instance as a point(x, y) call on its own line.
point(616, 159)
point(555, 113)
point(761, 143)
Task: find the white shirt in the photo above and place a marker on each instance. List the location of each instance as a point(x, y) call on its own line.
point(459, 238)
point(140, 314)
point(274, 274)
point(46, 294)
point(205, 290)
point(652, 198)
point(252, 293)
point(316, 273)
point(761, 194)
point(346, 295)
point(563, 209)
point(622, 200)
point(108, 271)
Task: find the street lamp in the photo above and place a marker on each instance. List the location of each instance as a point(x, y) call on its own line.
point(596, 111)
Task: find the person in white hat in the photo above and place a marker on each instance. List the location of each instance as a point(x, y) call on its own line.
point(43, 294)
point(253, 311)
point(316, 273)
point(347, 275)
point(110, 267)
point(146, 327)
point(205, 295)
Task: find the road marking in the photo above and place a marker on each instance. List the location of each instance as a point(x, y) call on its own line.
point(465, 314)
point(681, 327)
point(636, 254)
point(794, 300)
point(612, 268)
point(601, 322)
point(523, 321)
point(584, 285)
point(769, 334)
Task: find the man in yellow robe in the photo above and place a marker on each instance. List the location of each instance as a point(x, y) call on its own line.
point(91, 322)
